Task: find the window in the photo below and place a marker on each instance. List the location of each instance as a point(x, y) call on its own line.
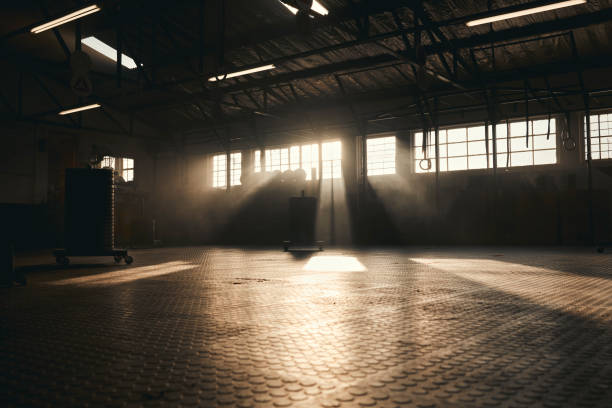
point(277, 159)
point(235, 168)
point(541, 150)
point(381, 155)
point(127, 172)
point(257, 161)
point(331, 156)
point(464, 148)
point(220, 171)
point(292, 158)
point(107, 162)
point(123, 166)
point(601, 137)
point(310, 161)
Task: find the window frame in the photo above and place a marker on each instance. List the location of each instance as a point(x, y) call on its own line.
point(267, 165)
point(528, 167)
point(118, 167)
point(595, 161)
point(232, 171)
point(322, 161)
point(124, 169)
point(395, 157)
point(214, 171)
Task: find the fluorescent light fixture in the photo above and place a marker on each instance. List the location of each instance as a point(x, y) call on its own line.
point(239, 73)
point(108, 51)
point(79, 109)
point(68, 17)
point(316, 7)
point(525, 12)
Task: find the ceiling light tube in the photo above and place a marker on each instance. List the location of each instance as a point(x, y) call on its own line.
point(79, 109)
point(316, 7)
point(525, 12)
point(239, 73)
point(68, 17)
point(108, 51)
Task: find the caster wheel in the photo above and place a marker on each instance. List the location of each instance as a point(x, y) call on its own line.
point(128, 259)
point(62, 260)
point(117, 259)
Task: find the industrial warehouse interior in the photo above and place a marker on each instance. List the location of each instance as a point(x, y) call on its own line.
point(306, 203)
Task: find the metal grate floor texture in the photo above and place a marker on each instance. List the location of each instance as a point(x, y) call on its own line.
point(418, 327)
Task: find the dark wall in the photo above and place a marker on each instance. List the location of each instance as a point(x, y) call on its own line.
point(32, 171)
point(528, 205)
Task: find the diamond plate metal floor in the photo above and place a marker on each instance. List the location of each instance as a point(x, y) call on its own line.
point(349, 328)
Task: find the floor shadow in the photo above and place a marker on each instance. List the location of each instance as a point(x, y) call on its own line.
point(303, 253)
point(29, 269)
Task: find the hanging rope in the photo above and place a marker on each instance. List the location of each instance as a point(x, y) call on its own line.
point(568, 141)
point(487, 141)
point(526, 114)
point(599, 133)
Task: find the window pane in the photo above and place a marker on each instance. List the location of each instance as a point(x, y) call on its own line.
point(108, 161)
point(457, 163)
point(294, 156)
point(128, 175)
point(381, 155)
point(517, 129)
point(219, 170)
point(477, 162)
point(257, 161)
point(540, 142)
point(332, 159)
point(456, 135)
point(545, 157)
point(235, 168)
point(127, 170)
point(466, 147)
point(457, 149)
point(477, 147)
point(477, 133)
point(310, 160)
point(521, 159)
point(601, 140)
point(518, 144)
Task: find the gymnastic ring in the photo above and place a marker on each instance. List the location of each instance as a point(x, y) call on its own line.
point(569, 144)
point(428, 161)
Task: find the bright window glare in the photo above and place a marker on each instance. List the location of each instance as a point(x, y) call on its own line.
point(257, 159)
point(465, 148)
point(304, 157)
point(219, 171)
point(235, 168)
point(316, 7)
point(334, 263)
point(381, 155)
point(601, 137)
point(108, 51)
point(331, 156)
